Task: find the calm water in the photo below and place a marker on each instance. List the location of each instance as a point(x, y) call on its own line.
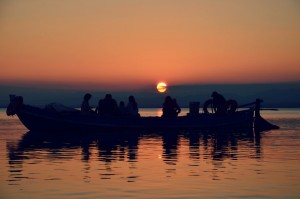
point(152, 164)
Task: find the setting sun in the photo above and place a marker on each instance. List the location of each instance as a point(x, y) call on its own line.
point(161, 87)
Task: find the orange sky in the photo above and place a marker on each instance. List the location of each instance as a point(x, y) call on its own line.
point(131, 43)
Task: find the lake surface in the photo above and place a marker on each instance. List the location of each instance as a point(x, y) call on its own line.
point(152, 164)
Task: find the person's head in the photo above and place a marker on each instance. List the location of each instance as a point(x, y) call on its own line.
point(108, 96)
point(131, 98)
point(214, 94)
point(122, 104)
point(168, 99)
point(87, 97)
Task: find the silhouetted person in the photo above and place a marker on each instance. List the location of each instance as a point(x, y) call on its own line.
point(107, 107)
point(176, 107)
point(122, 109)
point(168, 107)
point(98, 107)
point(132, 107)
point(85, 106)
point(219, 103)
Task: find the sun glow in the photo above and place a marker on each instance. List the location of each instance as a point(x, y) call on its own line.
point(161, 87)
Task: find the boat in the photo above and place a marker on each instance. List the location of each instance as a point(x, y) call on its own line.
point(56, 117)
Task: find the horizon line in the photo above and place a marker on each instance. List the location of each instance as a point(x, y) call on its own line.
point(117, 87)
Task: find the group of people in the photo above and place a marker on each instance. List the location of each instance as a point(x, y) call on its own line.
point(108, 107)
point(171, 109)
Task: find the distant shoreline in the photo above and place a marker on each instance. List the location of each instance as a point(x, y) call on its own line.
point(279, 95)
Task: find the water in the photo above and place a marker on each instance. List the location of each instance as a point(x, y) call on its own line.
point(152, 164)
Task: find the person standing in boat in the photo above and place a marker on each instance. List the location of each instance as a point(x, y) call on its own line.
point(219, 103)
point(85, 106)
point(132, 107)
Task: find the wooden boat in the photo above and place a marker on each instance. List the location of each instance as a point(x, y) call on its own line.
point(61, 118)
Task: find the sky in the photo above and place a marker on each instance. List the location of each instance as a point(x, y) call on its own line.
point(135, 43)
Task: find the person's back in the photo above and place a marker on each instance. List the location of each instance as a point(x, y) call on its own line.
point(111, 105)
point(122, 109)
point(132, 107)
point(85, 106)
point(168, 107)
point(108, 106)
point(219, 102)
point(100, 107)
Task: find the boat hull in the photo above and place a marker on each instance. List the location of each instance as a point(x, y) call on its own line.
point(36, 119)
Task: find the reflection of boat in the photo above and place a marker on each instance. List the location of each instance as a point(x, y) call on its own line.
point(111, 146)
point(60, 143)
point(130, 148)
point(62, 118)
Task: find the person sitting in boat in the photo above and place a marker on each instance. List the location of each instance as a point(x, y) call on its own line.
point(219, 103)
point(122, 109)
point(170, 108)
point(107, 107)
point(97, 110)
point(85, 106)
point(132, 107)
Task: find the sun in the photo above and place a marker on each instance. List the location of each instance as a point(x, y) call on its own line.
point(161, 87)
